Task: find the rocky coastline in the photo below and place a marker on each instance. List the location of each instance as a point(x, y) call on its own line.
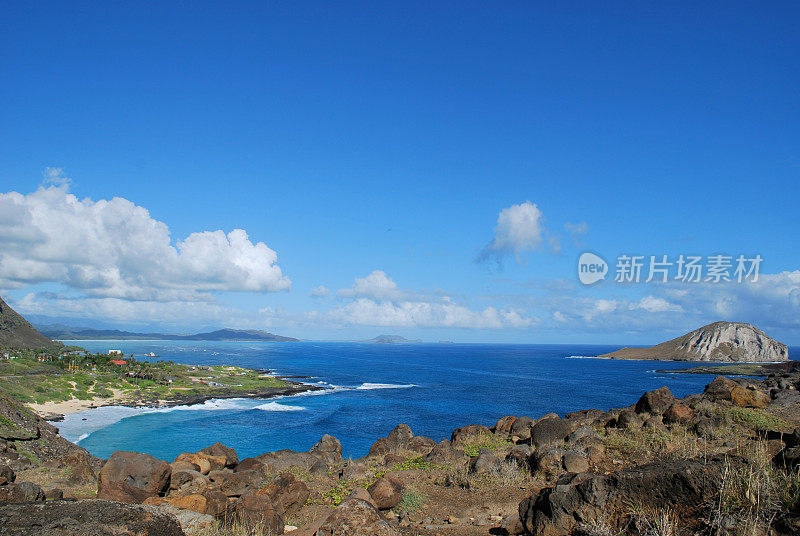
point(724, 462)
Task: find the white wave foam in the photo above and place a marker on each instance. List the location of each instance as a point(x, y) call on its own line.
point(274, 406)
point(370, 386)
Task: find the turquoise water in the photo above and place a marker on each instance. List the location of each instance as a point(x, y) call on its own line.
point(433, 388)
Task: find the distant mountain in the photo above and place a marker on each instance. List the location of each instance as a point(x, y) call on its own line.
point(721, 342)
point(16, 332)
point(65, 333)
point(391, 339)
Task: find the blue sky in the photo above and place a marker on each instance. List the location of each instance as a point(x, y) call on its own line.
point(382, 142)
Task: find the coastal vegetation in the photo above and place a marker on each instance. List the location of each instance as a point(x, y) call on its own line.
point(35, 376)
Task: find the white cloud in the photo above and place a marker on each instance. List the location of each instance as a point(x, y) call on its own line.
point(655, 305)
point(519, 228)
point(378, 301)
point(559, 317)
point(366, 312)
point(115, 249)
point(376, 285)
point(320, 291)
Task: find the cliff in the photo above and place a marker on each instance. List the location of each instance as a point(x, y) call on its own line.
point(16, 332)
point(727, 342)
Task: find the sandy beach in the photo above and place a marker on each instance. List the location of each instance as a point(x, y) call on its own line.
point(69, 407)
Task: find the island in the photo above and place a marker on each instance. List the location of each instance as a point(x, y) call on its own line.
point(726, 342)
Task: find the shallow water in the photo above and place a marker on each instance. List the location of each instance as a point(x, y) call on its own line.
point(433, 388)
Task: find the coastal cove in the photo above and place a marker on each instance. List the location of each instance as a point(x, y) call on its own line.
point(369, 388)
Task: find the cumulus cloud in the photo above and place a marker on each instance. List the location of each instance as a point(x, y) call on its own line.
point(655, 305)
point(320, 291)
point(376, 300)
point(115, 249)
point(519, 228)
point(376, 285)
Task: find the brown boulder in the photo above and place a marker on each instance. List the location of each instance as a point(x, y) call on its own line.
point(399, 438)
point(241, 483)
point(208, 502)
point(6, 475)
point(720, 389)
point(221, 451)
point(21, 492)
point(362, 494)
point(521, 428)
point(463, 434)
point(142, 471)
point(328, 449)
point(181, 478)
point(421, 445)
point(503, 426)
point(679, 412)
point(288, 494)
point(251, 464)
point(485, 462)
point(575, 462)
point(655, 402)
point(444, 452)
point(256, 510)
point(201, 463)
point(380, 448)
point(749, 398)
point(355, 517)
point(386, 492)
point(549, 431)
point(121, 492)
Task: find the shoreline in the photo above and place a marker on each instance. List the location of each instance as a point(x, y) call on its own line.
point(56, 411)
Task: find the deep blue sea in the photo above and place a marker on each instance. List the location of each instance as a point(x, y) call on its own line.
point(433, 388)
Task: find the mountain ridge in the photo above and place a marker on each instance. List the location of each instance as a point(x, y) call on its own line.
point(224, 334)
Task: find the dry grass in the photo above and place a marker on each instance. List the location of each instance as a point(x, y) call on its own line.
point(677, 443)
point(759, 492)
point(506, 474)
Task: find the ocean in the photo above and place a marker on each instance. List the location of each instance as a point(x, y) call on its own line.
point(434, 388)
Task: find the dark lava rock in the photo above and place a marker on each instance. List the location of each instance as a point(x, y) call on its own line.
point(85, 518)
point(257, 510)
point(549, 431)
point(461, 435)
point(328, 449)
point(503, 426)
point(386, 492)
point(142, 471)
point(355, 517)
point(399, 438)
point(484, 462)
point(21, 492)
point(681, 485)
point(655, 402)
point(287, 494)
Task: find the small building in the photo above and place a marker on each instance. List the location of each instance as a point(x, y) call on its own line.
point(115, 352)
point(119, 362)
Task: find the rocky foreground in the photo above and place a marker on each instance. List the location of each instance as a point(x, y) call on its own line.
point(726, 461)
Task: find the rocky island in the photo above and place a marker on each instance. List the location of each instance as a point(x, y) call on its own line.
point(726, 342)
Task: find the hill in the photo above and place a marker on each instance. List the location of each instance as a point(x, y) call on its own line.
point(227, 334)
point(16, 332)
point(726, 342)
